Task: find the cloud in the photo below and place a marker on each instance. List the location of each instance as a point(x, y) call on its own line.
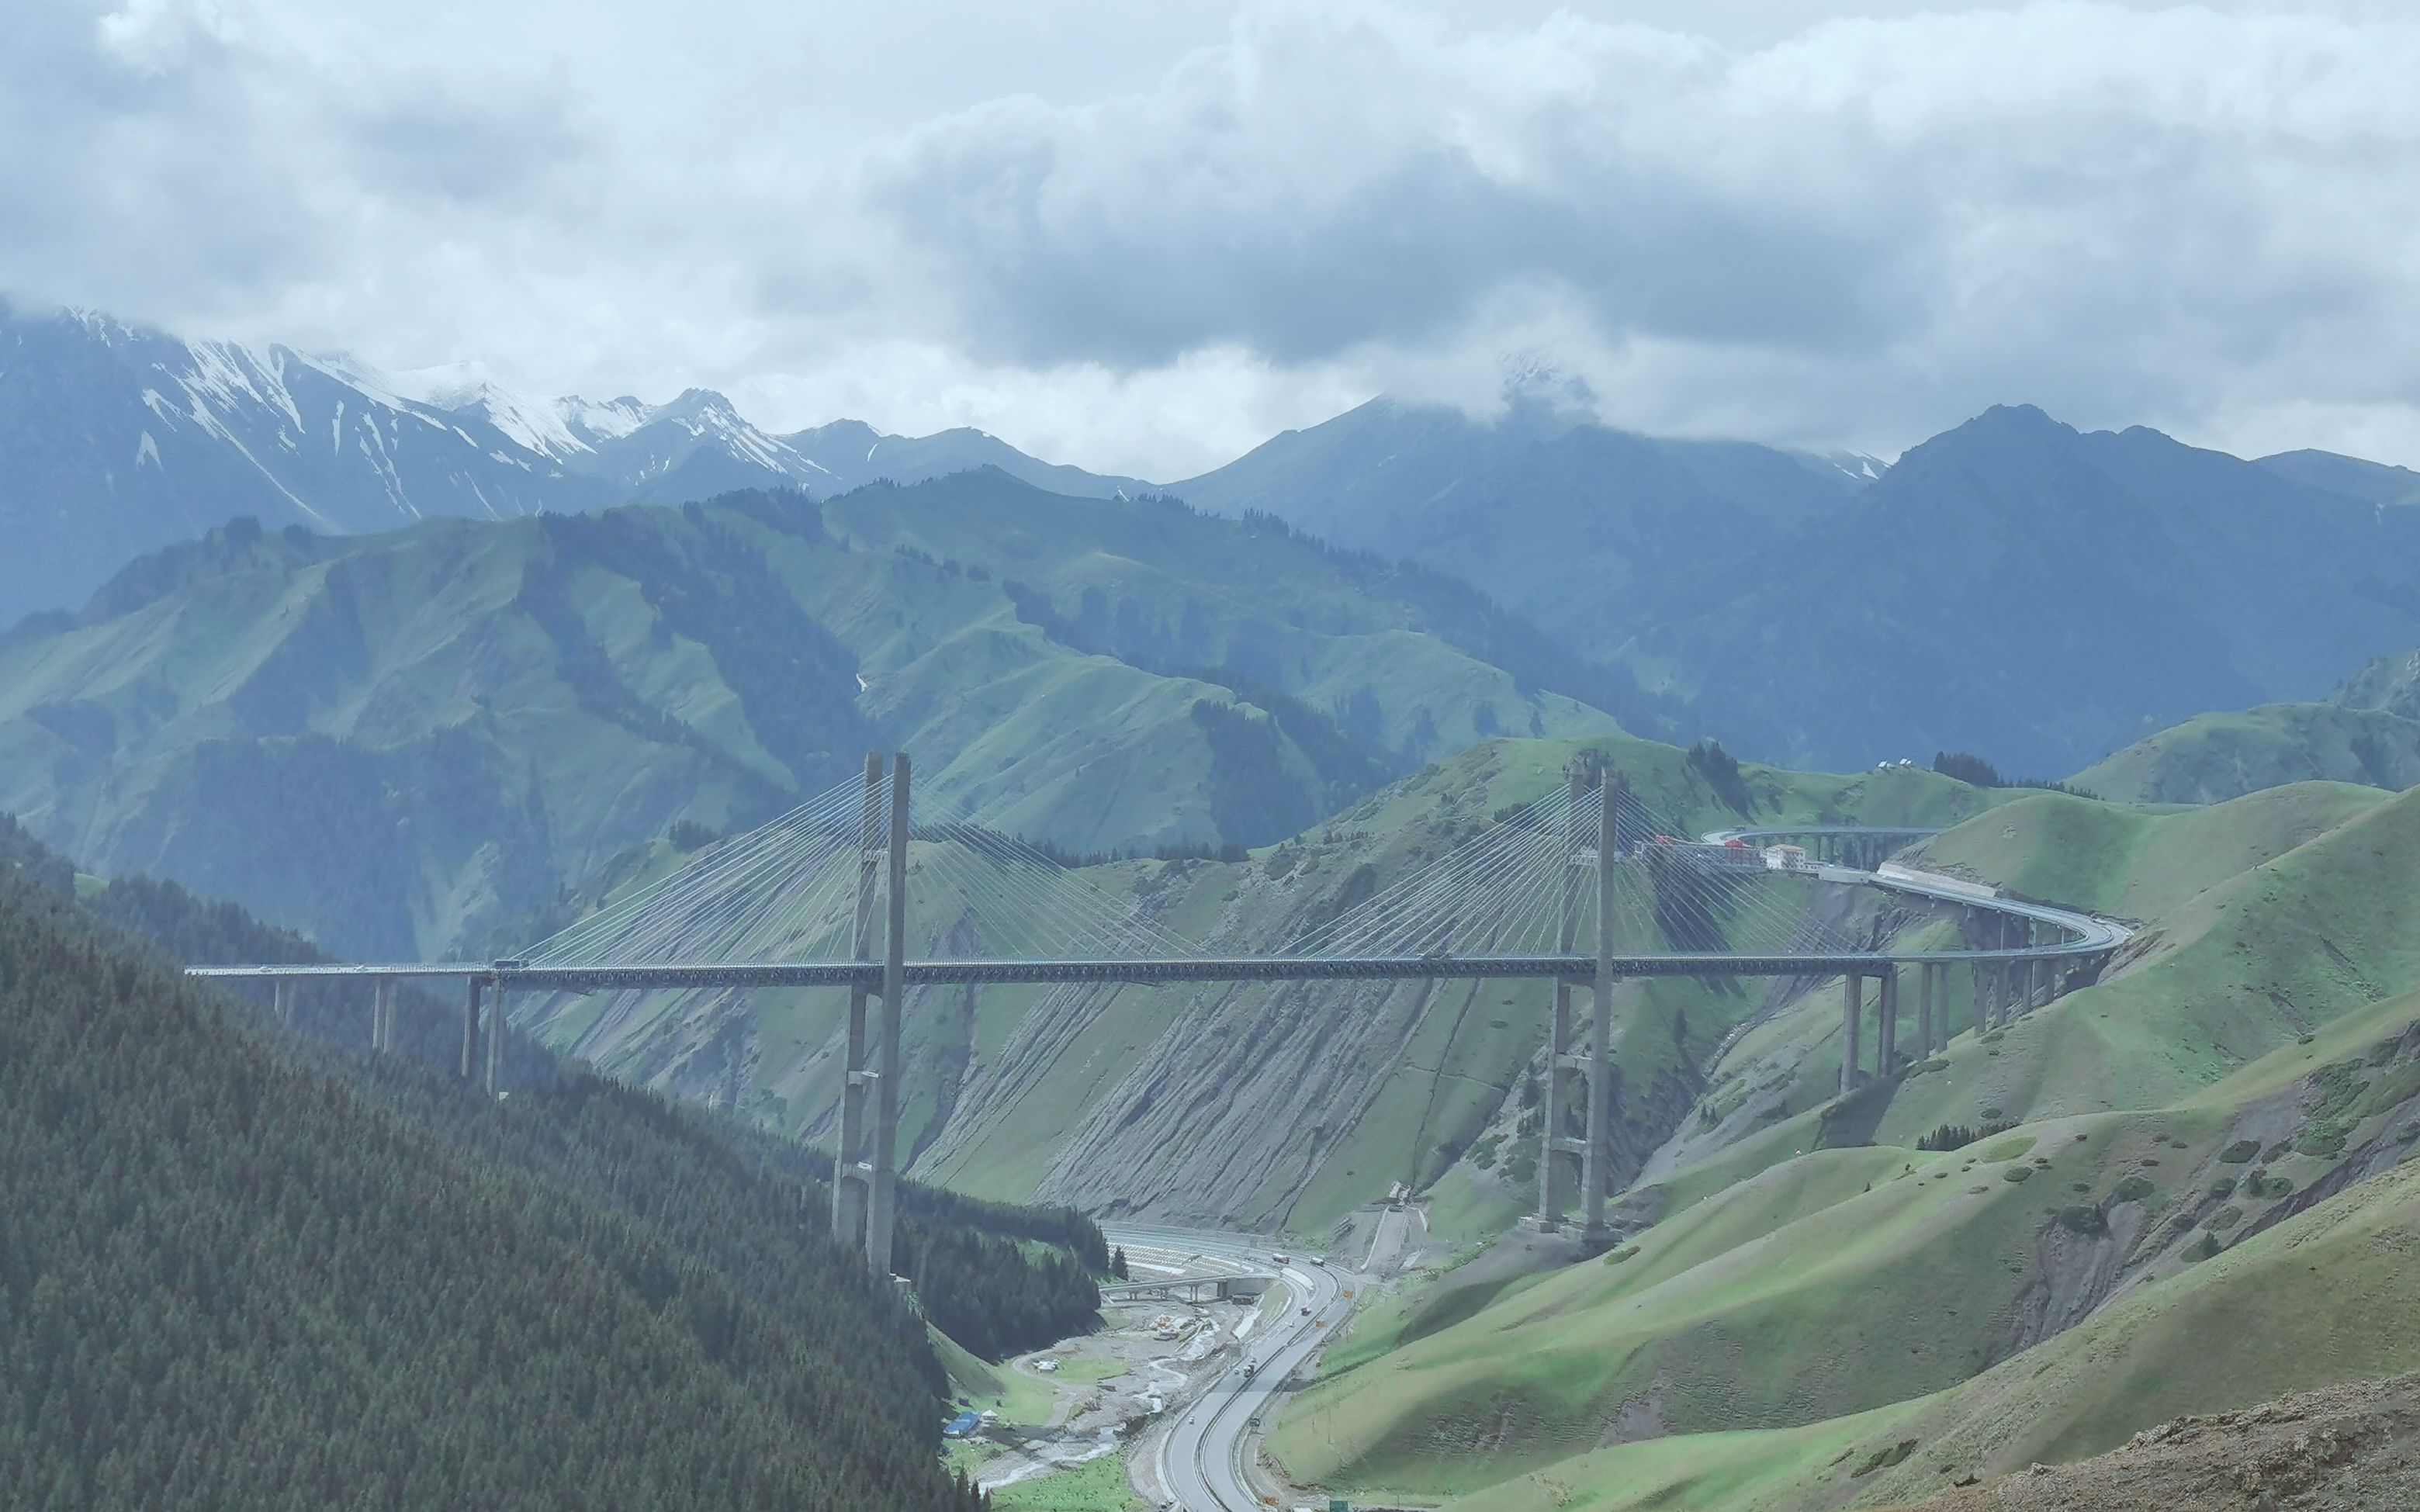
point(151, 36)
point(1851, 233)
point(1872, 227)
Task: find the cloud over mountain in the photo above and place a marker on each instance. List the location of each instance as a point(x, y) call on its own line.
point(1854, 233)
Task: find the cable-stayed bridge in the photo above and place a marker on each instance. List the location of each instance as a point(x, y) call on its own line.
point(1583, 887)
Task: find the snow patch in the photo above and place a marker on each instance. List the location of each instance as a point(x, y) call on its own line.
point(468, 388)
point(607, 421)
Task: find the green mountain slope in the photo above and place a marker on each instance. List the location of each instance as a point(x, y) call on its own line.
point(228, 1279)
point(2318, 1300)
point(2390, 684)
point(399, 742)
point(1593, 530)
point(2132, 864)
point(2213, 757)
point(1811, 1311)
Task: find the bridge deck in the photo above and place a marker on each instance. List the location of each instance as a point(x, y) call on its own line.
point(1232, 968)
point(2087, 936)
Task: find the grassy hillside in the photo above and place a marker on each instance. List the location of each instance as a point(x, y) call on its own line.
point(213, 1243)
point(396, 743)
point(2132, 864)
point(1817, 1292)
point(2321, 1299)
point(2213, 757)
point(1282, 1106)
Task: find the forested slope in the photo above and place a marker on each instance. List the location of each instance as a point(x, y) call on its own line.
point(228, 1280)
point(751, 1204)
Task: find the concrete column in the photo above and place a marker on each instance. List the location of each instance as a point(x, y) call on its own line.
point(881, 1201)
point(496, 1041)
point(471, 1031)
point(282, 995)
point(1924, 1010)
point(382, 1018)
point(1886, 1042)
point(2001, 982)
point(1554, 1172)
point(1596, 1175)
point(850, 1170)
point(1852, 1013)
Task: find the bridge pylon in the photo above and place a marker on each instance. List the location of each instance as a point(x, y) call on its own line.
point(1596, 1169)
point(1555, 1147)
point(865, 1164)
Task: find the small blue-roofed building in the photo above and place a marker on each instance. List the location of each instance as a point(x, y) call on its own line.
point(962, 1425)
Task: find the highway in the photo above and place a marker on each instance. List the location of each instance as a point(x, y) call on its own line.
point(1201, 1455)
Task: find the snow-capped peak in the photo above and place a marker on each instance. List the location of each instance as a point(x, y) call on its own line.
point(605, 422)
point(470, 388)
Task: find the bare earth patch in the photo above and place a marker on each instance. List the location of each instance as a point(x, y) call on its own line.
point(2351, 1448)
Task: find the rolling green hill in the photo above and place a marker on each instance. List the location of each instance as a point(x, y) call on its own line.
point(2132, 864)
point(2213, 757)
point(1823, 1316)
point(399, 742)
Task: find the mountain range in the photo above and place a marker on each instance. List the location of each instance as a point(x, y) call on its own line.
point(2014, 587)
point(401, 741)
point(116, 440)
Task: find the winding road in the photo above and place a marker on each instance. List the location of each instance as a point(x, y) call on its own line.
point(1201, 1456)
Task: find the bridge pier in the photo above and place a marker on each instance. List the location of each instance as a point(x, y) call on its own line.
point(1555, 1149)
point(470, 1068)
point(852, 1175)
point(1924, 1010)
point(1596, 1162)
point(496, 1041)
point(382, 1018)
point(1852, 1013)
point(1887, 1041)
point(282, 999)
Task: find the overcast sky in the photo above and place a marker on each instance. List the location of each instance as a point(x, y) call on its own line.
point(1142, 238)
